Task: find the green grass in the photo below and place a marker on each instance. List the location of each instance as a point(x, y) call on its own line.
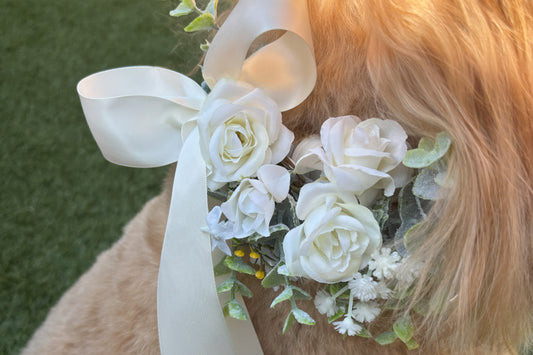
point(62, 203)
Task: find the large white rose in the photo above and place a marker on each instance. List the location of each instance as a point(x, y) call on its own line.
point(251, 206)
point(336, 238)
point(360, 155)
point(240, 130)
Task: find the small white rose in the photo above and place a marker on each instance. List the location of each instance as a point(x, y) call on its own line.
point(336, 238)
point(360, 155)
point(251, 206)
point(240, 130)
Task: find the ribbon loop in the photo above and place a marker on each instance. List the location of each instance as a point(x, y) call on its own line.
point(135, 113)
point(285, 69)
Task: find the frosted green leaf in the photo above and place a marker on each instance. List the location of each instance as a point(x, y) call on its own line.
point(380, 210)
point(336, 316)
point(273, 279)
point(282, 270)
point(237, 264)
point(190, 3)
point(278, 228)
point(234, 310)
point(302, 317)
point(212, 7)
point(300, 294)
point(403, 327)
point(411, 344)
point(204, 46)
point(243, 289)
point(181, 10)
point(283, 296)
point(386, 338)
point(428, 151)
point(205, 21)
point(220, 268)
point(288, 322)
point(364, 333)
point(226, 285)
point(425, 186)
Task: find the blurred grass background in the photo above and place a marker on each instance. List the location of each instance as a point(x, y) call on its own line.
point(62, 203)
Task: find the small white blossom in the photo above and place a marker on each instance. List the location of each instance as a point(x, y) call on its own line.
point(383, 291)
point(363, 287)
point(408, 272)
point(347, 326)
point(325, 303)
point(384, 263)
point(366, 311)
point(219, 231)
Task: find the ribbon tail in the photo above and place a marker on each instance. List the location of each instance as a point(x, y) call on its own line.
point(190, 320)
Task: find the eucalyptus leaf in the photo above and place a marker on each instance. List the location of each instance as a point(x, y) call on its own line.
point(181, 10)
point(364, 333)
point(283, 296)
point(302, 317)
point(428, 151)
point(226, 285)
point(221, 268)
point(205, 21)
point(425, 185)
point(243, 289)
point(212, 7)
point(235, 310)
point(289, 322)
point(273, 279)
point(336, 316)
point(404, 329)
point(300, 294)
point(411, 344)
point(237, 264)
point(386, 338)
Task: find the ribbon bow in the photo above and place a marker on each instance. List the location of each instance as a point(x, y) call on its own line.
point(148, 117)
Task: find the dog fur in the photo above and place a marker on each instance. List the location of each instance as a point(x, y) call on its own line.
point(464, 67)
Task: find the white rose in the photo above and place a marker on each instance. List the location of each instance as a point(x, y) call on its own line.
point(240, 130)
point(336, 238)
point(360, 155)
point(251, 206)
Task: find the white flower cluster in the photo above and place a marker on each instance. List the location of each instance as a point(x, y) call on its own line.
point(385, 267)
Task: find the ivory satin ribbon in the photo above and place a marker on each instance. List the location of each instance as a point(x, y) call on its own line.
point(136, 114)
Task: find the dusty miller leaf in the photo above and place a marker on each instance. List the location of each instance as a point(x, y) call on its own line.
point(386, 338)
point(336, 316)
point(404, 329)
point(302, 317)
point(283, 296)
point(300, 294)
point(221, 268)
point(243, 289)
point(425, 185)
point(428, 151)
point(237, 264)
point(273, 279)
point(181, 10)
point(234, 310)
point(205, 21)
point(289, 321)
point(226, 285)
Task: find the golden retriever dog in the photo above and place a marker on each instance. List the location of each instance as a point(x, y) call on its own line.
point(464, 67)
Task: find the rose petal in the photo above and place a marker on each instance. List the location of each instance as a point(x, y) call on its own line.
point(276, 180)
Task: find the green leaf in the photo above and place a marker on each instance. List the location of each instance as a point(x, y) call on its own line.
point(283, 270)
point(226, 285)
point(411, 212)
point(220, 268)
point(425, 185)
point(205, 21)
point(204, 46)
point(302, 317)
point(386, 338)
point(243, 289)
point(283, 296)
point(237, 264)
point(300, 294)
point(364, 333)
point(273, 279)
point(411, 344)
point(404, 329)
point(189, 3)
point(289, 322)
point(336, 316)
point(428, 151)
point(181, 10)
point(235, 310)
point(212, 7)
point(380, 210)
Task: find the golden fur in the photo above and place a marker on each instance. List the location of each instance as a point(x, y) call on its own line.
point(464, 67)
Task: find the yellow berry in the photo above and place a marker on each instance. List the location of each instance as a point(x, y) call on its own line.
point(260, 274)
point(239, 253)
point(254, 255)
